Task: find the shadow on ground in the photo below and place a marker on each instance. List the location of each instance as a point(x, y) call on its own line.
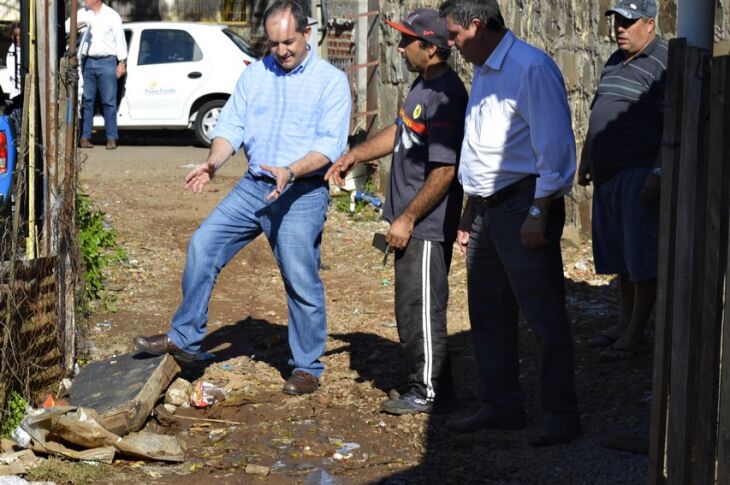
point(614, 400)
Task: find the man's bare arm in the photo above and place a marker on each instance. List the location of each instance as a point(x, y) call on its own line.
point(372, 149)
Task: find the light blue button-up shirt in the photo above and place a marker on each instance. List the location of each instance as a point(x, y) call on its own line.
point(278, 116)
point(517, 123)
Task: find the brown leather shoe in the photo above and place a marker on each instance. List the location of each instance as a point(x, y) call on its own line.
point(85, 143)
point(161, 344)
point(111, 144)
point(301, 382)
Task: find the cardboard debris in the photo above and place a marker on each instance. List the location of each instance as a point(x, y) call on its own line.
point(80, 427)
point(104, 455)
point(18, 463)
point(151, 446)
point(123, 390)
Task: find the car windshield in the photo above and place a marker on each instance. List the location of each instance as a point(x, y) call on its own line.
point(240, 43)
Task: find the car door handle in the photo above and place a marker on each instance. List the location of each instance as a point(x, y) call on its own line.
point(195, 75)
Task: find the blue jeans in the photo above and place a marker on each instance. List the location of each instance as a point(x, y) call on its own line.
point(100, 75)
point(293, 225)
point(504, 278)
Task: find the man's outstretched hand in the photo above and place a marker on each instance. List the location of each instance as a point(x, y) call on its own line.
point(199, 176)
point(339, 170)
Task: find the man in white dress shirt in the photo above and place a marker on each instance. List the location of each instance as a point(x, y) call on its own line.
point(104, 51)
point(517, 163)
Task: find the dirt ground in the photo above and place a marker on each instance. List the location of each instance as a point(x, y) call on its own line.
point(140, 188)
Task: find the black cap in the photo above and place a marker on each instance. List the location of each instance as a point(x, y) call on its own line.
point(425, 24)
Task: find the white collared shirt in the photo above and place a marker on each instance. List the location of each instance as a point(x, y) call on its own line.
point(105, 36)
point(517, 123)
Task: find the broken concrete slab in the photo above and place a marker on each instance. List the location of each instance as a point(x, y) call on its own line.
point(123, 390)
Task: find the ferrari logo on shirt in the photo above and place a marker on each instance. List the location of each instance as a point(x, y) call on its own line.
point(417, 112)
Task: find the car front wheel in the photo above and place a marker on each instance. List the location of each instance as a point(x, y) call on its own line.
point(206, 119)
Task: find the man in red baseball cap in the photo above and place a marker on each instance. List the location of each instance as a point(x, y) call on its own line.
point(423, 205)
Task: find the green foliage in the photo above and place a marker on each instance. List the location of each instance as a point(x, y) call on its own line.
point(99, 249)
point(13, 415)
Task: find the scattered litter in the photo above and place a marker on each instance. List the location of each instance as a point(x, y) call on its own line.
point(206, 394)
point(381, 424)
point(179, 392)
point(389, 324)
point(386, 282)
point(321, 477)
point(339, 456)
point(252, 469)
point(21, 437)
point(18, 463)
point(227, 367)
point(217, 435)
point(104, 325)
point(279, 465)
point(346, 448)
point(581, 265)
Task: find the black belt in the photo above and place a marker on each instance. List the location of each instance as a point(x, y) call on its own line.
point(505, 193)
point(272, 180)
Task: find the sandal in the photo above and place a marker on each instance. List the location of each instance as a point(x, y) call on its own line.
point(614, 355)
point(600, 341)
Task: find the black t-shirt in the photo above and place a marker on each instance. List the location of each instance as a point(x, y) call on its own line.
point(430, 132)
point(626, 122)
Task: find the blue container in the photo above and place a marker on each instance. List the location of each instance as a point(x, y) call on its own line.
point(6, 178)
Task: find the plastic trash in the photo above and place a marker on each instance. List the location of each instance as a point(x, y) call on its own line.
point(206, 394)
point(369, 198)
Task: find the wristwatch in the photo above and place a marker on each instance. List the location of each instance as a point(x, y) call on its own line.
point(291, 175)
point(535, 212)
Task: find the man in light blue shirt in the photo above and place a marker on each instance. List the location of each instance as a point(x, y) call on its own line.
point(517, 162)
point(290, 112)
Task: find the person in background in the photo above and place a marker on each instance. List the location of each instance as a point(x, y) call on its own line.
point(12, 61)
point(104, 51)
point(621, 157)
point(423, 205)
point(517, 164)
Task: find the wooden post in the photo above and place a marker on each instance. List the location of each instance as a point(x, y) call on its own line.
point(715, 264)
point(686, 340)
point(373, 73)
point(665, 274)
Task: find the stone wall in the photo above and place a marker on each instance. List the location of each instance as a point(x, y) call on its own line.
point(574, 32)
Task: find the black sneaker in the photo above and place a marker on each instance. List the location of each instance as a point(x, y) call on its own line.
point(408, 403)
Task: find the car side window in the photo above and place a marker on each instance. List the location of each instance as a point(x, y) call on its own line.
point(165, 46)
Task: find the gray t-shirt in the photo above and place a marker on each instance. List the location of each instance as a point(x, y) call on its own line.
point(430, 132)
point(626, 123)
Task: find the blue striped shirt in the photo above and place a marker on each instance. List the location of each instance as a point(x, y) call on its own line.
point(627, 113)
point(278, 116)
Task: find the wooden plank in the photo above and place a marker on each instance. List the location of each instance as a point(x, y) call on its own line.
point(723, 447)
point(688, 256)
point(665, 271)
point(715, 263)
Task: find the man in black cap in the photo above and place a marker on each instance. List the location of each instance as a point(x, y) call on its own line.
point(423, 205)
point(621, 157)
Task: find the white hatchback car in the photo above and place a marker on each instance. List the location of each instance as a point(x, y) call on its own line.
point(179, 76)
